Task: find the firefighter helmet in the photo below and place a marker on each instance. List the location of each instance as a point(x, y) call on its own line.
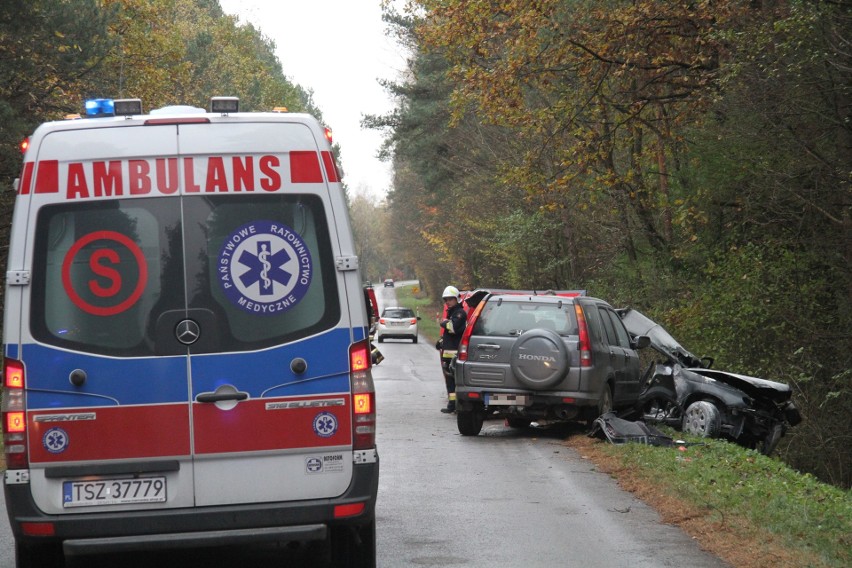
point(451, 292)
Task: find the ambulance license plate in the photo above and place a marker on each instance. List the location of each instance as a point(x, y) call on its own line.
point(113, 492)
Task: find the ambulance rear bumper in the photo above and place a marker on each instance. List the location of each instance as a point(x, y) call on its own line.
point(95, 533)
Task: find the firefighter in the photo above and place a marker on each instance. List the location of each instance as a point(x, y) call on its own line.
point(452, 329)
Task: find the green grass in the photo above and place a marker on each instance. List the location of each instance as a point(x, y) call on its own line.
point(727, 482)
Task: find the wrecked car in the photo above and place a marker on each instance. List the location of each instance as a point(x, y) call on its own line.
point(681, 390)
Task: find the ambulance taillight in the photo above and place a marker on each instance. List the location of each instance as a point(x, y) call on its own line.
point(14, 415)
point(363, 396)
point(24, 145)
point(327, 132)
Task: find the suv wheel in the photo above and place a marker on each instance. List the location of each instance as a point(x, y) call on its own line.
point(702, 418)
point(539, 358)
point(469, 422)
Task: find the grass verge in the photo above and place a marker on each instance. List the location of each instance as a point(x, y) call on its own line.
point(750, 510)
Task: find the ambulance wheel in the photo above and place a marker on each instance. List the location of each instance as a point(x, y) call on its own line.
point(43, 556)
point(354, 546)
point(469, 422)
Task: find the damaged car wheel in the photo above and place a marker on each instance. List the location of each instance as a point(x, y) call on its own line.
point(702, 418)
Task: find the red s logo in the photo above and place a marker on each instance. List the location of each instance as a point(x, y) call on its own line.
point(105, 271)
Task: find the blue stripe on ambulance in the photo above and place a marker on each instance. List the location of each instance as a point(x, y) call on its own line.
point(112, 381)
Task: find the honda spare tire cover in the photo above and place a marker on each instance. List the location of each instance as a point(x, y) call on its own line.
point(539, 358)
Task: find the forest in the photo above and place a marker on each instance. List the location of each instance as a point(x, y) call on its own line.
point(691, 159)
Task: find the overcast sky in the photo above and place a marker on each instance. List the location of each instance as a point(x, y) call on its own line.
point(338, 49)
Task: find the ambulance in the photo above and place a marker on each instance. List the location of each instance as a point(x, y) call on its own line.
point(186, 352)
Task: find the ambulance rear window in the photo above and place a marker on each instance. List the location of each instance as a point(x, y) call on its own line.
point(121, 277)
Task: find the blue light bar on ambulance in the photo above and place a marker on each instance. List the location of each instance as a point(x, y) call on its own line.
point(99, 107)
point(224, 105)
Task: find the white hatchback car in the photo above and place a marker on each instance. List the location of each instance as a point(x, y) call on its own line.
point(398, 323)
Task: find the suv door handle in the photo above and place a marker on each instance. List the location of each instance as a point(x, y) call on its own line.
point(489, 346)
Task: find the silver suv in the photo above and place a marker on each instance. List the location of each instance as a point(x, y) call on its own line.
point(544, 358)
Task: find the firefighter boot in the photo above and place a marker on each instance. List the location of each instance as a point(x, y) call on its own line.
point(451, 405)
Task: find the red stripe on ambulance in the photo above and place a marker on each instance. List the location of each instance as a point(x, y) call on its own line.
point(112, 434)
point(26, 178)
point(305, 168)
point(47, 177)
point(253, 426)
point(163, 176)
point(330, 167)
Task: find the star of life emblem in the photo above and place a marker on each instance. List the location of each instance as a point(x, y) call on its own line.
point(265, 267)
point(325, 424)
point(55, 440)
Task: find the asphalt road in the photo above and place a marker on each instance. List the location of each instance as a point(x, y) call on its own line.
point(513, 498)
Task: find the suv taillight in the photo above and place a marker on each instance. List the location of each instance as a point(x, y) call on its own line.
point(363, 396)
point(465, 340)
point(585, 347)
point(14, 415)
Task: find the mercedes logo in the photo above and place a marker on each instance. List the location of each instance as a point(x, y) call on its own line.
point(187, 332)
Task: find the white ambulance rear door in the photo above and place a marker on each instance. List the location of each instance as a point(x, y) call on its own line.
point(106, 403)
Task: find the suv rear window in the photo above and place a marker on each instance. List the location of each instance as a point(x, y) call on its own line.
point(513, 318)
point(106, 270)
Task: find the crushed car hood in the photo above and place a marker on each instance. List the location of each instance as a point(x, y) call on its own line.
point(639, 324)
point(752, 386)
